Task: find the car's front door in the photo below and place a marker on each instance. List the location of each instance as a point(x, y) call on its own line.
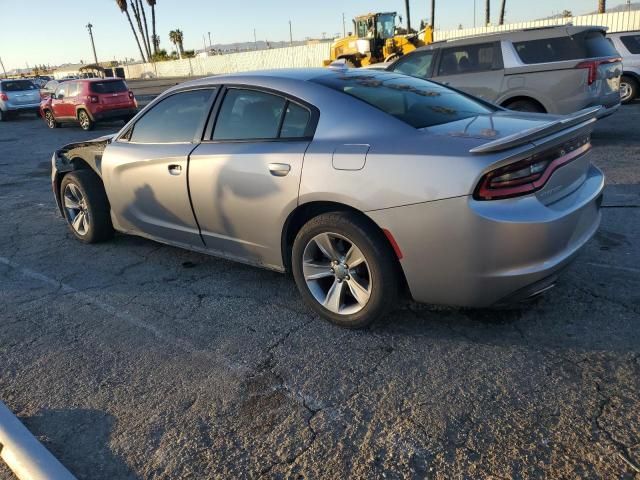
point(477, 69)
point(145, 171)
point(58, 101)
point(244, 178)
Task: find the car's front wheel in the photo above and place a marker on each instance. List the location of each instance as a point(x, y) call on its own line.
point(345, 269)
point(3, 115)
point(85, 120)
point(86, 207)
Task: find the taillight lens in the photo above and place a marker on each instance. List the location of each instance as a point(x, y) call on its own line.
point(4, 97)
point(592, 67)
point(528, 175)
point(93, 98)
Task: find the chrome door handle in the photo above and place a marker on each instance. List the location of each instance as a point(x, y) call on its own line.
point(175, 169)
point(279, 169)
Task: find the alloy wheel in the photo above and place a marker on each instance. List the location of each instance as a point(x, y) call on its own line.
point(84, 120)
point(50, 120)
point(625, 91)
point(337, 273)
point(76, 207)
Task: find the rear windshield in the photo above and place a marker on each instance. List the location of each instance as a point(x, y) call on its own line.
point(632, 42)
point(418, 102)
point(580, 46)
point(111, 86)
point(18, 85)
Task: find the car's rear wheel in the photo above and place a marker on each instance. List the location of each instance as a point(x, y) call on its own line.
point(3, 115)
point(86, 207)
point(85, 120)
point(344, 269)
point(628, 89)
point(50, 119)
point(525, 106)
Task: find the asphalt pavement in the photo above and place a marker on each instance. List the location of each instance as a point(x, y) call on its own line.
point(134, 360)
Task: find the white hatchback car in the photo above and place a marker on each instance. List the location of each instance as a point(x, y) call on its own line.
point(628, 45)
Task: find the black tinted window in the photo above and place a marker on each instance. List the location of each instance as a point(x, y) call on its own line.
point(417, 64)
point(17, 85)
point(296, 120)
point(249, 114)
point(470, 59)
point(418, 102)
point(580, 46)
point(632, 42)
point(111, 86)
point(174, 119)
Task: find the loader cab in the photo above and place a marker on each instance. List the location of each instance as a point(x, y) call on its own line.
point(377, 26)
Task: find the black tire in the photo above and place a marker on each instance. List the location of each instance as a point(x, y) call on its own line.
point(3, 116)
point(50, 119)
point(85, 120)
point(632, 85)
point(383, 281)
point(96, 206)
point(525, 106)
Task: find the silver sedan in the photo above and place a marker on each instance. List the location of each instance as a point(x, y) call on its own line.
point(361, 183)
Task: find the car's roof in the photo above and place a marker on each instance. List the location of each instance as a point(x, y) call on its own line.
point(516, 35)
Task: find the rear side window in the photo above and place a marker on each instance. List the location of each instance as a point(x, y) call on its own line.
point(418, 102)
point(296, 121)
point(632, 42)
point(17, 85)
point(580, 46)
point(175, 119)
point(470, 59)
point(249, 114)
point(111, 86)
point(416, 65)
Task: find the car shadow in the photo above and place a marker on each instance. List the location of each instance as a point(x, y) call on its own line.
point(79, 439)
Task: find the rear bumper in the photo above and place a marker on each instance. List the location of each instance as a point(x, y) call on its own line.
point(114, 114)
point(28, 107)
point(467, 253)
point(606, 111)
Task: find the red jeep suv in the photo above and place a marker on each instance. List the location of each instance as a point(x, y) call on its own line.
point(88, 101)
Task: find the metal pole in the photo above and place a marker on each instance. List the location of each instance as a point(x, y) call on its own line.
point(210, 45)
point(344, 27)
point(93, 45)
point(406, 6)
point(4, 71)
point(290, 35)
point(474, 13)
point(204, 44)
point(255, 39)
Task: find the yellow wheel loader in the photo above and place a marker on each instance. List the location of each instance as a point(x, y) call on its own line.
point(377, 39)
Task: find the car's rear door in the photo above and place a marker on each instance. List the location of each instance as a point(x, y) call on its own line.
point(244, 176)
point(145, 170)
point(477, 69)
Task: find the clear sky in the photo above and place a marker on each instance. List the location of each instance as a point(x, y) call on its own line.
point(47, 32)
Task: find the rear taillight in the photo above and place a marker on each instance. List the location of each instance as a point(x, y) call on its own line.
point(592, 67)
point(93, 98)
point(528, 175)
point(130, 95)
point(3, 96)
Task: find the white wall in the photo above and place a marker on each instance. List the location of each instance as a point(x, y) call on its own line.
point(616, 22)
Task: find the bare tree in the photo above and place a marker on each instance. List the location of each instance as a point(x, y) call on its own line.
point(122, 4)
point(602, 6)
point(502, 6)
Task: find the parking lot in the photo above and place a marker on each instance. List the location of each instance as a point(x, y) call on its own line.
point(131, 359)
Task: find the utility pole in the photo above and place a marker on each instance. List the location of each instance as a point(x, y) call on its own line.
point(344, 27)
point(93, 45)
point(474, 13)
point(406, 7)
point(210, 44)
point(255, 39)
point(290, 35)
point(204, 44)
point(3, 70)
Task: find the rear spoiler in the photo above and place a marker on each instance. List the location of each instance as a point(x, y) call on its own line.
point(586, 116)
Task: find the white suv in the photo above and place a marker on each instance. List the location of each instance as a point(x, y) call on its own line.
point(628, 45)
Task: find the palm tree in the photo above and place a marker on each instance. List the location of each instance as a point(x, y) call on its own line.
point(502, 5)
point(433, 14)
point(602, 6)
point(122, 4)
point(138, 17)
point(176, 36)
point(155, 39)
point(146, 25)
point(487, 12)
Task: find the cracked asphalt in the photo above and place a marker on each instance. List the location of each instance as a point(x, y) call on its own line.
point(133, 360)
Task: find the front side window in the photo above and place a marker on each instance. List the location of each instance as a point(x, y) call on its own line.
point(61, 91)
point(470, 59)
point(17, 85)
point(175, 119)
point(415, 101)
point(249, 114)
point(416, 65)
point(632, 42)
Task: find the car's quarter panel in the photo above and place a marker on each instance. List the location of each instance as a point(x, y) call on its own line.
point(147, 187)
point(240, 205)
point(472, 253)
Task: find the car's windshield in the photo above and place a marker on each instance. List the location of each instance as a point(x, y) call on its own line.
point(18, 85)
point(418, 102)
point(110, 86)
